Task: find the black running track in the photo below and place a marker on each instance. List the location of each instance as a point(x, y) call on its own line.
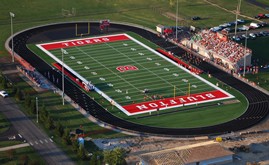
point(258, 101)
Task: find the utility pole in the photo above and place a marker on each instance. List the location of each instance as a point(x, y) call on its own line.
point(12, 15)
point(63, 74)
point(36, 109)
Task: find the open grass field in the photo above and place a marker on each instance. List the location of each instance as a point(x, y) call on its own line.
point(4, 124)
point(18, 156)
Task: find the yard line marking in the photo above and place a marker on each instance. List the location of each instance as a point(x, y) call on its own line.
point(140, 65)
point(106, 68)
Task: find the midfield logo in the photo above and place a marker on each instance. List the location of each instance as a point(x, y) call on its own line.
point(126, 68)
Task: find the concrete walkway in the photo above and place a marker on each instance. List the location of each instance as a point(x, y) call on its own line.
point(14, 147)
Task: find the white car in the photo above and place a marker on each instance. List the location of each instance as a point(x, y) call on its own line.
point(3, 93)
point(252, 35)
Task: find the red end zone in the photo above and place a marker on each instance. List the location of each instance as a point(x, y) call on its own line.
point(175, 102)
point(84, 41)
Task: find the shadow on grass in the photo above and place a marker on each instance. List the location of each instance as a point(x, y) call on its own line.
point(65, 110)
point(78, 116)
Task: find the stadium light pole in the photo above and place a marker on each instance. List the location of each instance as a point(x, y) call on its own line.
point(12, 15)
point(62, 50)
point(36, 109)
point(236, 16)
point(176, 19)
point(245, 51)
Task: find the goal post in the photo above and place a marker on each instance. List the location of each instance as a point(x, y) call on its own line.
point(78, 28)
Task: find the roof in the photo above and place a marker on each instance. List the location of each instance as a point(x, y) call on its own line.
point(186, 154)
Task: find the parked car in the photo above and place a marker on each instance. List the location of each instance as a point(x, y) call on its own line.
point(242, 28)
point(254, 25)
point(232, 23)
point(264, 33)
point(262, 24)
point(260, 16)
point(215, 29)
point(4, 94)
point(252, 35)
point(245, 36)
point(236, 38)
point(227, 29)
point(257, 34)
point(240, 21)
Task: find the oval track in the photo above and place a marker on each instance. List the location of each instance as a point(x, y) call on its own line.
point(258, 101)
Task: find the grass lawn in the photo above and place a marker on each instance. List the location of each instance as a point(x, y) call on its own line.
point(4, 124)
point(264, 2)
point(18, 155)
point(258, 53)
point(260, 50)
point(9, 143)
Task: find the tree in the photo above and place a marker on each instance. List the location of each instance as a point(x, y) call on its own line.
point(75, 145)
point(24, 159)
point(119, 154)
point(4, 83)
point(34, 162)
point(59, 129)
point(108, 157)
point(115, 157)
point(66, 136)
point(172, 3)
point(10, 153)
point(18, 94)
point(93, 160)
point(28, 100)
point(50, 123)
point(33, 107)
point(14, 89)
point(81, 153)
point(43, 113)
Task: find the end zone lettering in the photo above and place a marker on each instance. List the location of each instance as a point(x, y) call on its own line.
point(175, 102)
point(85, 41)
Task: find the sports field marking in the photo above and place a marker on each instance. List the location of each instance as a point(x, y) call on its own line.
point(121, 67)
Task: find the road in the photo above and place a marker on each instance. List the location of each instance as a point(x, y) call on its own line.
point(43, 144)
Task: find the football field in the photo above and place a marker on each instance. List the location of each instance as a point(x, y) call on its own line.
point(130, 75)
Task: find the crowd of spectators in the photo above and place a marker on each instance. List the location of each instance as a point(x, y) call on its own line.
point(190, 58)
point(227, 49)
point(31, 75)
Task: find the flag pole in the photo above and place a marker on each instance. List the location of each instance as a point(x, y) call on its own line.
point(76, 29)
point(189, 89)
point(174, 92)
point(89, 28)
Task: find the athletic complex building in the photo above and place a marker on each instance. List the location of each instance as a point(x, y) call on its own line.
point(134, 78)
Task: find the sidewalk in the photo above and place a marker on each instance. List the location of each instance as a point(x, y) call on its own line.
point(14, 147)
